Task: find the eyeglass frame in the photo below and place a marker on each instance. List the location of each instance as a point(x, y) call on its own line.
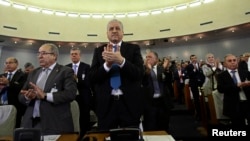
point(44, 53)
point(12, 62)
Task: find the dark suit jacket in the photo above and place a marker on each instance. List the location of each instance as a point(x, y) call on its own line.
point(231, 91)
point(131, 76)
point(196, 78)
point(163, 77)
point(14, 87)
point(13, 90)
point(177, 77)
point(55, 116)
point(243, 65)
point(83, 84)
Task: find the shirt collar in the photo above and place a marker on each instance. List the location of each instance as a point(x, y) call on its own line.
point(119, 44)
point(13, 72)
point(77, 64)
point(52, 66)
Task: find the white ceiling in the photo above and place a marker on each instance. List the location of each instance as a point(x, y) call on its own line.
point(33, 28)
point(102, 6)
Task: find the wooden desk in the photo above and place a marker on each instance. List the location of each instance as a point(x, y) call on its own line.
point(102, 136)
point(64, 137)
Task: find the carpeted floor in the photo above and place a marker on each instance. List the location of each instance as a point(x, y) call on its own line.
point(183, 126)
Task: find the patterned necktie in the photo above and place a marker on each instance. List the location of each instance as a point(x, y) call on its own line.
point(234, 76)
point(115, 80)
point(41, 84)
point(9, 76)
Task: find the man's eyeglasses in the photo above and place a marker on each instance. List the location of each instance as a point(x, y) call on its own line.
point(9, 63)
point(231, 60)
point(43, 53)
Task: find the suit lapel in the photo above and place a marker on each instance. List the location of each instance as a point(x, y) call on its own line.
point(123, 49)
point(80, 69)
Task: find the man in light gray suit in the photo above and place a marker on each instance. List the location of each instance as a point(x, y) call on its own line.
point(48, 105)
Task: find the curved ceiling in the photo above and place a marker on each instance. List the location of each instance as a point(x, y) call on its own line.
point(102, 6)
point(192, 20)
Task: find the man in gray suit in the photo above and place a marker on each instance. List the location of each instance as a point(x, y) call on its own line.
point(48, 105)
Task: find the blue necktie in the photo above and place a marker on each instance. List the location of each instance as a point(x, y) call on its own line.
point(74, 68)
point(115, 80)
point(234, 77)
point(9, 76)
point(4, 98)
point(155, 82)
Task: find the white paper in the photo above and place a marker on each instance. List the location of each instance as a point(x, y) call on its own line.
point(153, 138)
point(51, 137)
point(158, 138)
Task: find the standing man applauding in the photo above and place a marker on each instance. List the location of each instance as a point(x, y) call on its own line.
point(83, 98)
point(116, 73)
point(47, 93)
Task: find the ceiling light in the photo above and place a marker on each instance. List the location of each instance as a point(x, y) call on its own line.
point(49, 12)
point(72, 14)
point(108, 16)
point(195, 3)
point(5, 3)
point(19, 6)
point(143, 14)
point(33, 9)
point(120, 15)
point(207, 1)
point(154, 12)
point(132, 14)
point(97, 16)
point(169, 9)
point(85, 16)
point(58, 13)
point(181, 7)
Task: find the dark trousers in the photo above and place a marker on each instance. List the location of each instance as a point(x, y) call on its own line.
point(196, 97)
point(118, 116)
point(156, 116)
point(180, 87)
point(84, 119)
point(239, 119)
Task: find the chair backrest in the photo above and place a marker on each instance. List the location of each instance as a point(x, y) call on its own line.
point(27, 134)
point(7, 120)
point(76, 115)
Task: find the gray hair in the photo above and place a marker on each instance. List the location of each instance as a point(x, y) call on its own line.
point(115, 20)
point(53, 48)
point(75, 48)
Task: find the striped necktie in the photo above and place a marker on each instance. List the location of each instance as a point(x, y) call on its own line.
point(9, 76)
point(234, 76)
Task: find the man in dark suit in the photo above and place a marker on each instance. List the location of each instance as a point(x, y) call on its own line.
point(47, 93)
point(158, 101)
point(235, 85)
point(84, 95)
point(179, 78)
point(242, 65)
point(13, 80)
point(196, 80)
point(119, 103)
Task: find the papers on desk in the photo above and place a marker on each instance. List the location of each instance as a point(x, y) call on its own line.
point(153, 138)
point(158, 138)
point(51, 137)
